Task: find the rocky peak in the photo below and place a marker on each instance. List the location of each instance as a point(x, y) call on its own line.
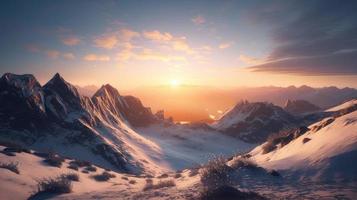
point(26, 84)
point(300, 107)
point(62, 87)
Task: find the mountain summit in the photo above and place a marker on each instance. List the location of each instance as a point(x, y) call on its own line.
point(254, 122)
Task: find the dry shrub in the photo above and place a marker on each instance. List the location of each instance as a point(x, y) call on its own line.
point(12, 166)
point(215, 173)
point(161, 184)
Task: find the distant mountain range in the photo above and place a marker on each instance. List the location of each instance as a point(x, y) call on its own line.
point(196, 103)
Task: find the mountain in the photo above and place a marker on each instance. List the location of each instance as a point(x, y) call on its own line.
point(298, 107)
point(180, 101)
point(254, 122)
point(87, 90)
point(56, 117)
point(326, 150)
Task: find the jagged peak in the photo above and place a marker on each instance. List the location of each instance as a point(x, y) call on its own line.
point(106, 90)
point(59, 84)
point(24, 81)
point(9, 77)
point(57, 78)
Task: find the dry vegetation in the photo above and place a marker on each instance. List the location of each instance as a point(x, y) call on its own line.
point(161, 184)
point(12, 166)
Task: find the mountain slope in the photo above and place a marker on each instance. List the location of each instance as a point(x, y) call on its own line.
point(55, 117)
point(326, 151)
point(298, 107)
point(254, 122)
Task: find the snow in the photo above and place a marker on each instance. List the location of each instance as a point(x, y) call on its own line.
point(343, 106)
point(320, 154)
point(184, 147)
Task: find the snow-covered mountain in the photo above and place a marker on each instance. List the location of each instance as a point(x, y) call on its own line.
point(254, 122)
point(298, 107)
point(326, 150)
point(56, 117)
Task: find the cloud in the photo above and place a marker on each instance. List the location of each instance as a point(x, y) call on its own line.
point(198, 20)
point(68, 56)
point(106, 41)
point(127, 35)
point(148, 54)
point(157, 36)
point(175, 43)
point(312, 38)
point(71, 40)
point(95, 57)
point(112, 39)
point(52, 54)
point(250, 60)
point(225, 45)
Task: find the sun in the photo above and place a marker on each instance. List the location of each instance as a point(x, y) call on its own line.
point(174, 83)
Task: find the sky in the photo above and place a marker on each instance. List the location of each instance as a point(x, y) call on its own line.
point(222, 43)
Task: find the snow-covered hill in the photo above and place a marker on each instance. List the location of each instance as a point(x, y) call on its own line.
point(254, 122)
point(327, 150)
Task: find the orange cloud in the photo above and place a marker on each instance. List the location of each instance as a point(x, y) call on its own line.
point(225, 45)
point(250, 60)
point(95, 57)
point(111, 40)
point(52, 54)
point(198, 20)
point(148, 54)
point(71, 41)
point(176, 43)
point(106, 42)
point(157, 36)
point(127, 34)
point(68, 56)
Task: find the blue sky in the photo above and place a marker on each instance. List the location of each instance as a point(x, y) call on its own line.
point(224, 43)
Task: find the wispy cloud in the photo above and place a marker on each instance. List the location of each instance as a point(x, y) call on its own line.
point(198, 20)
point(157, 35)
point(250, 60)
point(106, 41)
point(68, 56)
point(316, 41)
point(71, 40)
point(96, 57)
point(174, 42)
point(52, 54)
point(225, 45)
point(112, 39)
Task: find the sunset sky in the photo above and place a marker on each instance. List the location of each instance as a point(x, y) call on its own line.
point(217, 43)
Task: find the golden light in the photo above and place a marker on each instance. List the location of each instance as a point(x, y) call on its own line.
point(174, 83)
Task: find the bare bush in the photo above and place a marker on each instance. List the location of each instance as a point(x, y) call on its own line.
point(71, 176)
point(241, 162)
point(57, 185)
point(228, 193)
point(161, 184)
point(177, 175)
point(54, 160)
point(105, 176)
point(80, 163)
point(12, 166)
point(215, 173)
point(163, 176)
point(91, 168)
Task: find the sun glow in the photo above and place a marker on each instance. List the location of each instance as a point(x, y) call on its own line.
point(175, 83)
